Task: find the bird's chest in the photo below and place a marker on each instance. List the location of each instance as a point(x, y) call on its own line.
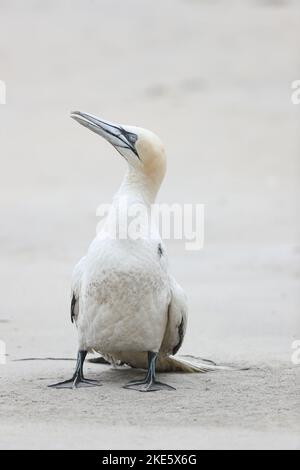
point(128, 287)
point(124, 276)
point(124, 299)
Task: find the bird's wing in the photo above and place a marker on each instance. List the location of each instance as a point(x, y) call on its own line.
point(75, 288)
point(177, 319)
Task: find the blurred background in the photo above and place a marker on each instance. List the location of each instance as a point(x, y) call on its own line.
point(213, 79)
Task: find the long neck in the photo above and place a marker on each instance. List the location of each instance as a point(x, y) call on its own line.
point(138, 188)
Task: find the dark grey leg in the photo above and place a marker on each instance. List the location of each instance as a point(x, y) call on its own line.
point(149, 383)
point(78, 380)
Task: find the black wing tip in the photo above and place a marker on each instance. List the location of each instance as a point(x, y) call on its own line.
point(181, 337)
point(73, 303)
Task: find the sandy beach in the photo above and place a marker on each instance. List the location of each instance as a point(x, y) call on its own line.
point(213, 79)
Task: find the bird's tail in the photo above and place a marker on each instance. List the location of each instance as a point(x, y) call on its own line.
point(186, 364)
point(164, 363)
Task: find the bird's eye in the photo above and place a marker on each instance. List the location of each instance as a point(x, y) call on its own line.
point(132, 138)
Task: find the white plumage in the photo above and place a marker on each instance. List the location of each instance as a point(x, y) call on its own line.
point(125, 303)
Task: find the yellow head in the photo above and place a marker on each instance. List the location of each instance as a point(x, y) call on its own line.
point(141, 148)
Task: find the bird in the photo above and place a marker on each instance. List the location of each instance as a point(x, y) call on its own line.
point(126, 304)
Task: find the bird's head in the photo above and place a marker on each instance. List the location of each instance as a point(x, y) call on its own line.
point(141, 148)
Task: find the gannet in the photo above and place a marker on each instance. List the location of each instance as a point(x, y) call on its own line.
point(125, 303)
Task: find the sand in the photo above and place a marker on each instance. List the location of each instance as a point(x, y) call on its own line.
point(214, 80)
point(240, 409)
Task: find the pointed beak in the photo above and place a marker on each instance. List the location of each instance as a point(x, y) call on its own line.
point(113, 133)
